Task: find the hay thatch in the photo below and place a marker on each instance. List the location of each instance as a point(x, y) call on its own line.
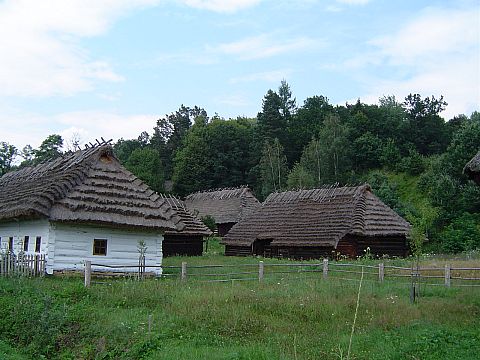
point(89, 186)
point(318, 217)
point(224, 205)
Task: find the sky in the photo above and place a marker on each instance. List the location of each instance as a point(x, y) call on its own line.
point(111, 68)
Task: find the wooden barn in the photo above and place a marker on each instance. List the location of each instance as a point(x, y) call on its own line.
point(87, 206)
point(189, 241)
point(226, 206)
point(319, 223)
point(472, 169)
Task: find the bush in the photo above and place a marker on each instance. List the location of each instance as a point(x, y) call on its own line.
point(413, 164)
point(462, 234)
point(209, 221)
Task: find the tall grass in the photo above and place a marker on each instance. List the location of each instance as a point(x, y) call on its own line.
point(280, 318)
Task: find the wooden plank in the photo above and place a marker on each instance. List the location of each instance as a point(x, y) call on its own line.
point(381, 272)
point(184, 271)
point(447, 275)
point(88, 272)
point(325, 268)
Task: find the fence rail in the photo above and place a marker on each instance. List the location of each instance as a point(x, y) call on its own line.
point(430, 276)
point(22, 264)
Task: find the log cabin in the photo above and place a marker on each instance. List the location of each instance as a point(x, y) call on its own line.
point(316, 223)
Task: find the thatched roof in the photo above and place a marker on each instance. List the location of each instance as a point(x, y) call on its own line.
point(317, 217)
point(472, 169)
point(225, 205)
point(89, 186)
point(192, 224)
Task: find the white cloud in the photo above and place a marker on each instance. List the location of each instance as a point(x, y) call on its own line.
point(251, 48)
point(39, 51)
point(90, 125)
point(333, 8)
point(269, 76)
point(109, 125)
point(438, 53)
point(354, 2)
point(435, 33)
point(265, 45)
point(233, 100)
point(225, 6)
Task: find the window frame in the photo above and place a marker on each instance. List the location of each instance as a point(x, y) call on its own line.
point(100, 247)
point(26, 240)
point(38, 244)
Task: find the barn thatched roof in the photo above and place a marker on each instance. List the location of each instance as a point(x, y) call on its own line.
point(472, 169)
point(89, 186)
point(317, 217)
point(193, 225)
point(225, 205)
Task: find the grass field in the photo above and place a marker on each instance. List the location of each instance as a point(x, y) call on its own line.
point(298, 317)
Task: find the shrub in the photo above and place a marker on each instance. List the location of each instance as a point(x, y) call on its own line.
point(462, 234)
point(209, 221)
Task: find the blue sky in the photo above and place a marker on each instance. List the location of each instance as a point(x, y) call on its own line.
point(111, 68)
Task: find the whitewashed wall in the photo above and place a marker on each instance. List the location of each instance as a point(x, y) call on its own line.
point(71, 245)
point(19, 229)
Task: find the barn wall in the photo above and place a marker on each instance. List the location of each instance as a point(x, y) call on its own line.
point(299, 252)
point(288, 252)
point(391, 246)
point(233, 250)
point(183, 245)
point(379, 245)
point(74, 243)
point(20, 229)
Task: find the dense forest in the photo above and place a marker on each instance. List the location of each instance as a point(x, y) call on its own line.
point(405, 150)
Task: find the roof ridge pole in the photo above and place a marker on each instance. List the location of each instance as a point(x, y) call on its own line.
point(334, 192)
point(330, 193)
point(173, 202)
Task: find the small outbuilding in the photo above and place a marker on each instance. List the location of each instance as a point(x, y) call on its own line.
point(190, 240)
point(226, 206)
point(472, 169)
point(316, 223)
point(86, 206)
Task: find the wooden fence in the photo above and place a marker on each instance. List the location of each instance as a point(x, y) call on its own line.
point(429, 276)
point(22, 264)
point(435, 276)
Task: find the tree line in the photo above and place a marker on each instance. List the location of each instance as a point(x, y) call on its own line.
point(291, 146)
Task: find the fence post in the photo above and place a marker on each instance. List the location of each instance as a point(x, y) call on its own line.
point(325, 268)
point(381, 272)
point(150, 322)
point(447, 275)
point(88, 272)
point(36, 266)
point(261, 269)
point(184, 270)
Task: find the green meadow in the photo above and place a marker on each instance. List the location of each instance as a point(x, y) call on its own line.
point(287, 316)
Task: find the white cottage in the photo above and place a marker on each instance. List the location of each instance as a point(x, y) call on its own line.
point(87, 206)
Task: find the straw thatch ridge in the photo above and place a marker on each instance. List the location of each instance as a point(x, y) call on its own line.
point(227, 205)
point(88, 186)
point(472, 168)
point(318, 217)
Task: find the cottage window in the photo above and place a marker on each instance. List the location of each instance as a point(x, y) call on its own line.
point(100, 247)
point(38, 243)
point(10, 243)
point(25, 243)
